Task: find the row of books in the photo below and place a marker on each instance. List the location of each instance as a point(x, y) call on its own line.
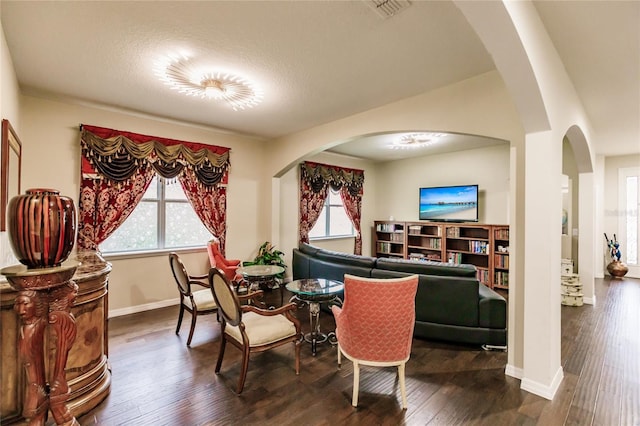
point(501, 278)
point(483, 276)
point(423, 257)
point(478, 247)
point(432, 243)
point(384, 247)
point(501, 234)
point(388, 227)
point(501, 261)
point(426, 230)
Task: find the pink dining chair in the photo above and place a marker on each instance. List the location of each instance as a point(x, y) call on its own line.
point(374, 326)
point(218, 261)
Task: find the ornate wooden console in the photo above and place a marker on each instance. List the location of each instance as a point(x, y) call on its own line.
point(87, 370)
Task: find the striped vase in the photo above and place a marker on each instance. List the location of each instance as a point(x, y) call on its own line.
point(42, 227)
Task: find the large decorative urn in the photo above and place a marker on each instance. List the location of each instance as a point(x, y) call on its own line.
point(617, 269)
point(42, 227)
point(42, 231)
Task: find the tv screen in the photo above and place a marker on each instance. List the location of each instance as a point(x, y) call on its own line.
point(449, 203)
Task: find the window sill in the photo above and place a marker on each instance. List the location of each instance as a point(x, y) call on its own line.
point(337, 237)
point(151, 253)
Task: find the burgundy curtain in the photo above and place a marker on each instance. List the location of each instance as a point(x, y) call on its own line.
point(118, 166)
point(315, 180)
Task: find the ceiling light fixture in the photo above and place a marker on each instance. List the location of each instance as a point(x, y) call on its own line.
point(183, 75)
point(416, 140)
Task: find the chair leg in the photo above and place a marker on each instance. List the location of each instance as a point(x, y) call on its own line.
point(223, 345)
point(356, 383)
point(297, 346)
point(194, 316)
point(180, 318)
point(403, 390)
point(339, 357)
point(245, 367)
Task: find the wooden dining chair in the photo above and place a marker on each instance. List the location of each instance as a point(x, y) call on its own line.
point(250, 327)
point(198, 302)
point(375, 324)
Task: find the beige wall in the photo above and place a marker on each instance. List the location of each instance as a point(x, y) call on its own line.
point(399, 182)
point(51, 158)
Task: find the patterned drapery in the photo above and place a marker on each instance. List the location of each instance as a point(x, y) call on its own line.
point(315, 180)
point(117, 167)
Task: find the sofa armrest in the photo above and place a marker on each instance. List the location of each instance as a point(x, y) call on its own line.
point(492, 308)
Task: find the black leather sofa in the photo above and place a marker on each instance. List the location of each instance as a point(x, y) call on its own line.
point(451, 305)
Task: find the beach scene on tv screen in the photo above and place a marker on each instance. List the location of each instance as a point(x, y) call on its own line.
point(449, 203)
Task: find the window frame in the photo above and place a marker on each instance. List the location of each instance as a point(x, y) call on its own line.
point(161, 202)
point(326, 210)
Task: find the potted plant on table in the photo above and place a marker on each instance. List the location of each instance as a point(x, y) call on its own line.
point(268, 255)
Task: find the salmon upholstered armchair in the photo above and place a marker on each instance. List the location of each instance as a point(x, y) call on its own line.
point(218, 261)
point(251, 327)
point(374, 326)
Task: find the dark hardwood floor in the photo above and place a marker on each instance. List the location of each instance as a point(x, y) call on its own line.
point(157, 380)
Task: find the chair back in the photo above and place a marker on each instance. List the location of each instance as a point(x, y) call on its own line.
point(225, 297)
point(378, 317)
point(180, 274)
point(213, 248)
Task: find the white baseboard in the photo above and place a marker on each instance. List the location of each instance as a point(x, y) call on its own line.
point(141, 308)
point(513, 371)
point(590, 300)
point(540, 389)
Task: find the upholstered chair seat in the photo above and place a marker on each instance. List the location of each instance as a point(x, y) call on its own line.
point(250, 327)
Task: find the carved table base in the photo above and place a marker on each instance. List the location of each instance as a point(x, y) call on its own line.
point(45, 298)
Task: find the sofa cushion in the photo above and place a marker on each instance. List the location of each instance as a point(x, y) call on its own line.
point(308, 249)
point(444, 300)
point(335, 271)
point(492, 308)
point(427, 267)
point(346, 259)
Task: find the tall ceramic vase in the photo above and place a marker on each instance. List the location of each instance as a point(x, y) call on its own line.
point(42, 227)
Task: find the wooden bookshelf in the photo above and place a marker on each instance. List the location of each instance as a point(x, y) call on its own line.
point(389, 239)
point(500, 247)
point(484, 246)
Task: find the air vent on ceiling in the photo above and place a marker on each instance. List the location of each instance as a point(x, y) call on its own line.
point(388, 8)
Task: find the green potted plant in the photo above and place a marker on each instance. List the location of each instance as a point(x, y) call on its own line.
point(268, 255)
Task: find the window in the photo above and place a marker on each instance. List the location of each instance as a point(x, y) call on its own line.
point(629, 220)
point(163, 219)
point(333, 220)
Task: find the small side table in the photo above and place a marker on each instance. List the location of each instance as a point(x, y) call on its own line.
point(314, 292)
point(261, 276)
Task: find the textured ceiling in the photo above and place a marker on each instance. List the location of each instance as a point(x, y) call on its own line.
point(315, 61)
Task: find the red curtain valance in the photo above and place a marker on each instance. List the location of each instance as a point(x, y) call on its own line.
point(116, 154)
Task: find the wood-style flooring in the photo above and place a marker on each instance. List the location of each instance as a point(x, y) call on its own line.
point(158, 380)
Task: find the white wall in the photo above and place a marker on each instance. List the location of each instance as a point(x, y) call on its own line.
point(51, 158)
point(399, 182)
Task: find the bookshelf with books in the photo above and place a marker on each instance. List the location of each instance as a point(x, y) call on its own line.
point(500, 257)
point(470, 244)
point(424, 241)
point(389, 239)
point(484, 246)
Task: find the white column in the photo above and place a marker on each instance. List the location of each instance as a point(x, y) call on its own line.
point(587, 236)
point(542, 372)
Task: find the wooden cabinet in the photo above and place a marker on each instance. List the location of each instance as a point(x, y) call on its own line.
point(389, 239)
point(500, 249)
point(484, 246)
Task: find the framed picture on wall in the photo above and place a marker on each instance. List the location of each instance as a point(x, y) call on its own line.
point(11, 155)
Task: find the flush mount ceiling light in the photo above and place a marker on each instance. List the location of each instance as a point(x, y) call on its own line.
point(416, 140)
point(185, 76)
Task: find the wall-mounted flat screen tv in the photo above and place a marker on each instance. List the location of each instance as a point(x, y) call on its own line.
point(449, 203)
